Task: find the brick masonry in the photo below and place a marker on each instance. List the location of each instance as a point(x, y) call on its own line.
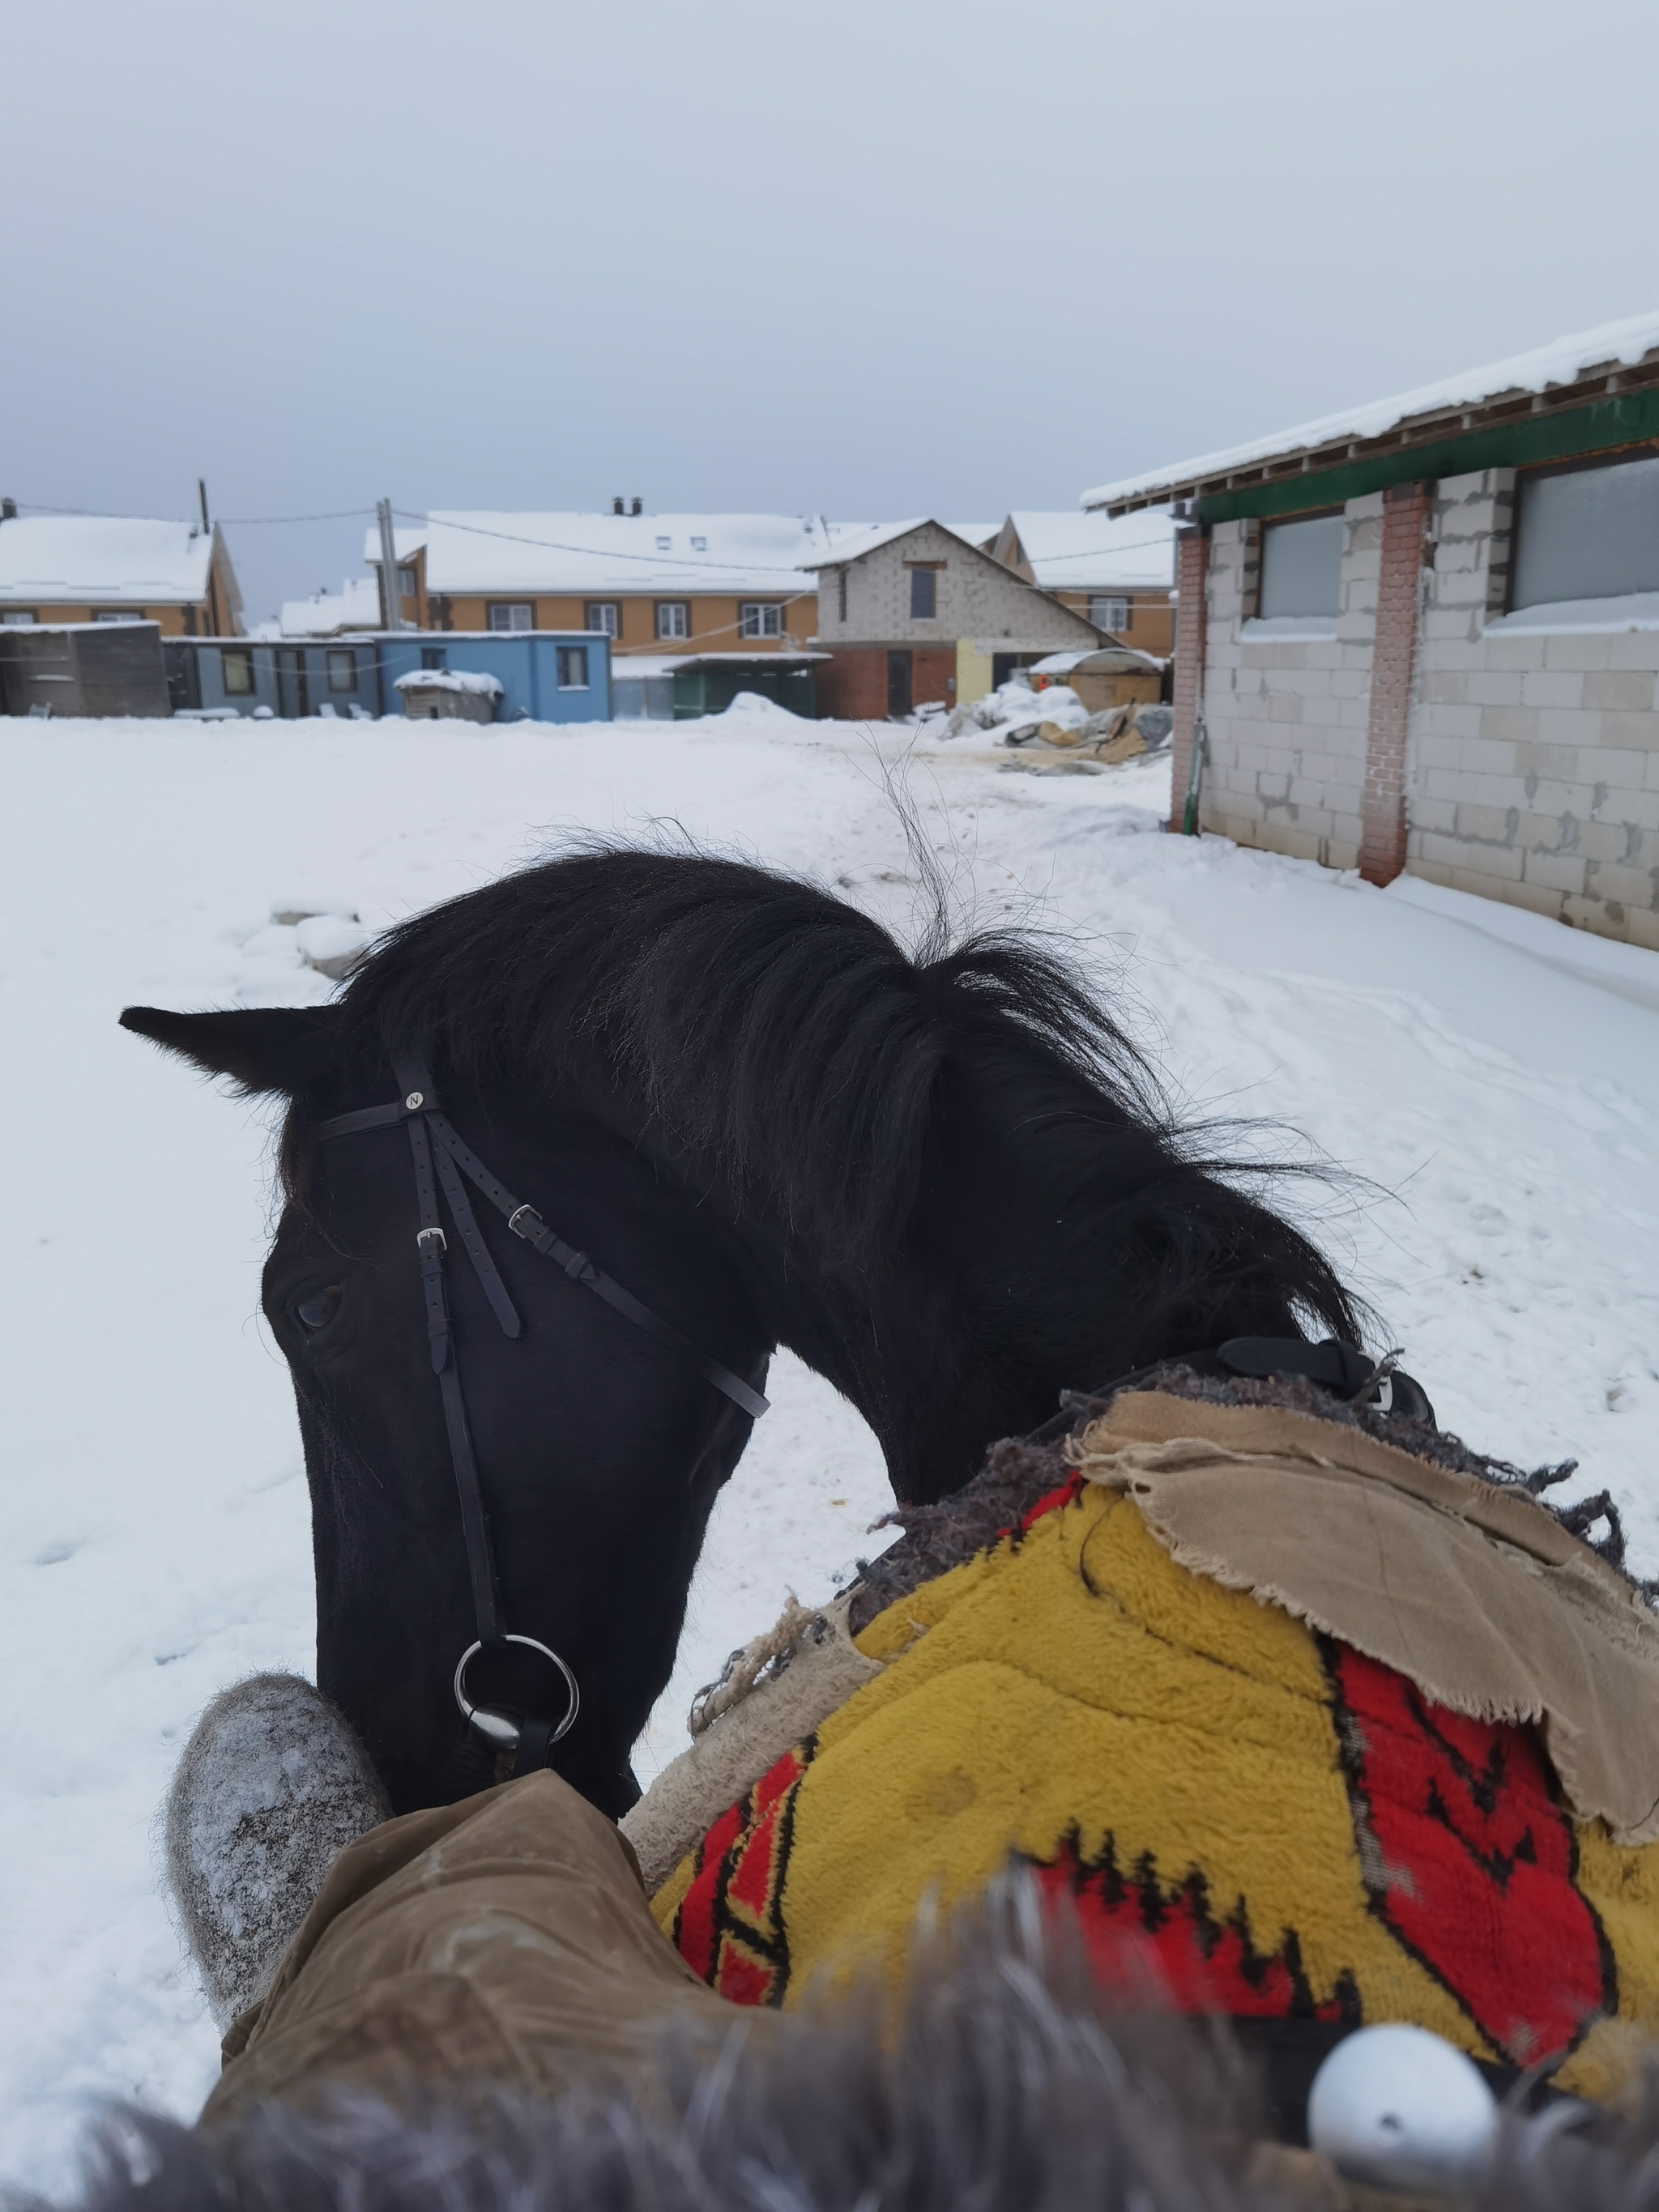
point(1529, 766)
point(1394, 656)
point(1192, 558)
point(1287, 706)
point(1534, 754)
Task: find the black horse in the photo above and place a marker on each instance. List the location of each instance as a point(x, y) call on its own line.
point(944, 1181)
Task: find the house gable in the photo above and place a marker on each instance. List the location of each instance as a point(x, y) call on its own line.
point(866, 600)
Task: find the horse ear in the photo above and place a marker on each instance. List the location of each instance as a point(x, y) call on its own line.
point(262, 1049)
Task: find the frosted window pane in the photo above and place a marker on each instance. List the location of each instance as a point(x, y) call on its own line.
point(1302, 567)
point(1590, 534)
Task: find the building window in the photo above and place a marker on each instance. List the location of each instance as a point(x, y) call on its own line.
point(1586, 533)
point(673, 618)
point(841, 594)
point(19, 617)
point(118, 614)
point(512, 614)
point(1114, 615)
point(236, 671)
point(699, 544)
point(573, 668)
point(757, 618)
point(405, 583)
point(924, 595)
point(663, 544)
point(605, 616)
point(434, 656)
point(342, 668)
point(1302, 567)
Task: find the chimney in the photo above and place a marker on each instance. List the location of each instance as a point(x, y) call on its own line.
point(8, 510)
point(638, 506)
point(619, 507)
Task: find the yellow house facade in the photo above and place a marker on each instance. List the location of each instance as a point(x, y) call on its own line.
point(654, 584)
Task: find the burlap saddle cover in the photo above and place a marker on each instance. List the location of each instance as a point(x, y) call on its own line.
point(1317, 1730)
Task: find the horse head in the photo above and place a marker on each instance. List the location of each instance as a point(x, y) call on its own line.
point(946, 1181)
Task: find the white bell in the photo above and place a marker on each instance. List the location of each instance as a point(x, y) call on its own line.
point(1400, 2108)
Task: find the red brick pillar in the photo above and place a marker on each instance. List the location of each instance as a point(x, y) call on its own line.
point(1191, 567)
point(1394, 656)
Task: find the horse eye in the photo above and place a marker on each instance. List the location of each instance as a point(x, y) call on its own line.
point(316, 1311)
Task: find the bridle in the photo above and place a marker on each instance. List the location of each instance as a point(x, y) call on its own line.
point(441, 1160)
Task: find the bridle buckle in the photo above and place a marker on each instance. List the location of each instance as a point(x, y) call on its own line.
point(421, 1236)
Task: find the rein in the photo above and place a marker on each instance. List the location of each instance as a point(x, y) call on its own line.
point(441, 1160)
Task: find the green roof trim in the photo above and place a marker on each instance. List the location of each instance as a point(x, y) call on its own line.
point(1624, 419)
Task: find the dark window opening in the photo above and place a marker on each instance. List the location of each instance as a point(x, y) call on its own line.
point(434, 656)
point(236, 671)
point(924, 595)
point(573, 668)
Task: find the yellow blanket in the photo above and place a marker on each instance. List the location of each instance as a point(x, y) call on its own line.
point(1281, 1826)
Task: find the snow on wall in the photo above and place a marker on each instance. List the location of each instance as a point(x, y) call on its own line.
point(1559, 362)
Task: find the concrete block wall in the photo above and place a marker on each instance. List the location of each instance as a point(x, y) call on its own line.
point(1286, 718)
point(1534, 757)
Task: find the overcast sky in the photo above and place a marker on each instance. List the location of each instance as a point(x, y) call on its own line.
point(866, 258)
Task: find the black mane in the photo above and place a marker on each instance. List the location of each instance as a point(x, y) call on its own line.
point(779, 1039)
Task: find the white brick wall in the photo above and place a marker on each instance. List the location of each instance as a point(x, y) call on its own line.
point(1286, 718)
point(976, 598)
point(1534, 757)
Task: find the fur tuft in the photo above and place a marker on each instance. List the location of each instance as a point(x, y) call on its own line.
point(1010, 2082)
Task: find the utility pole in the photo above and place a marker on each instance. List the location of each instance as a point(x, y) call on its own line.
point(200, 494)
point(389, 590)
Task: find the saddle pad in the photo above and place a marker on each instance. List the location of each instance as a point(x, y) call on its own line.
point(1278, 1825)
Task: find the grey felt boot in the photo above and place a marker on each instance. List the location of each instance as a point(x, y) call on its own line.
point(272, 1783)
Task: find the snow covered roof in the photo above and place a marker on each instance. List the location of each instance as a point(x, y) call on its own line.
point(1524, 378)
point(407, 541)
point(473, 552)
point(355, 605)
point(102, 557)
point(1073, 551)
point(851, 541)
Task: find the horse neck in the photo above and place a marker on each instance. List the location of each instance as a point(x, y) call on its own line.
point(1056, 1244)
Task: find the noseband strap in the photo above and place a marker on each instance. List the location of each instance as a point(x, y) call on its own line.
point(441, 1160)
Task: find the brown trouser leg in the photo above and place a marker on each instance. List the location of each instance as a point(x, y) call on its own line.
point(505, 1940)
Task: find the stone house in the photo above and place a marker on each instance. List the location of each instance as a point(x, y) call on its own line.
point(1423, 635)
point(912, 612)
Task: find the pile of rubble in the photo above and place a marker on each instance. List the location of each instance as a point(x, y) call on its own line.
point(1058, 718)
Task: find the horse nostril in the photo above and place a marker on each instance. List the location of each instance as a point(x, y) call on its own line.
point(317, 1311)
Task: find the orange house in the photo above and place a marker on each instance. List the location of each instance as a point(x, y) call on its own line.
point(98, 567)
point(651, 583)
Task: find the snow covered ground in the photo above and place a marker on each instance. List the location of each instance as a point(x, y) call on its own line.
point(1494, 1075)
